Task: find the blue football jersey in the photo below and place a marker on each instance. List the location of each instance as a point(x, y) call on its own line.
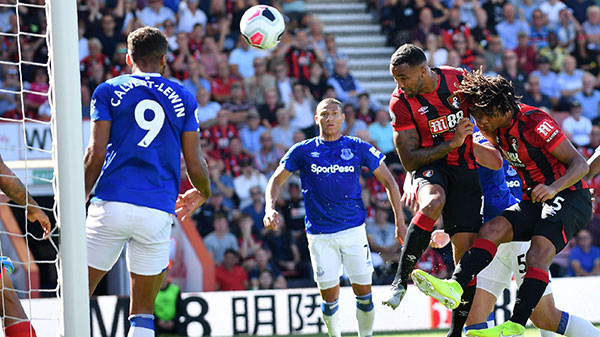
point(149, 114)
point(501, 189)
point(329, 175)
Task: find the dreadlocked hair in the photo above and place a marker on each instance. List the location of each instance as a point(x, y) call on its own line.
point(483, 93)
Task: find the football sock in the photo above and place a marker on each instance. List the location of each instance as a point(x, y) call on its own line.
point(331, 318)
point(545, 333)
point(459, 315)
point(141, 325)
point(475, 259)
point(529, 294)
point(22, 329)
point(417, 240)
point(365, 315)
point(573, 326)
point(478, 326)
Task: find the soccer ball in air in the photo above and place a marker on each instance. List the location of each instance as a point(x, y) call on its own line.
point(262, 26)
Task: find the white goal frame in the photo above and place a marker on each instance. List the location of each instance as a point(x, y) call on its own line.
point(68, 163)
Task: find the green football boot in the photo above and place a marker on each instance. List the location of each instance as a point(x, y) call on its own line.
point(506, 329)
point(447, 292)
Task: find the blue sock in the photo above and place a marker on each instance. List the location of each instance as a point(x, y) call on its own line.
point(477, 326)
point(329, 308)
point(365, 302)
point(141, 325)
point(562, 326)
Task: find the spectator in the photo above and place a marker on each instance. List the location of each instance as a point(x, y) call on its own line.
point(168, 308)
point(168, 28)
point(351, 125)
point(235, 157)
point(494, 55)
point(438, 11)
point(266, 280)
point(567, 30)
point(285, 252)
point(316, 33)
point(238, 105)
point(196, 77)
point(570, 80)
point(249, 178)
point(211, 56)
point(586, 58)
point(250, 133)
point(467, 56)
point(538, 37)
point(548, 80)
point(436, 56)
point(181, 57)
point(534, 96)
point(119, 64)
point(554, 53)
point(220, 87)
point(283, 133)
point(156, 13)
point(9, 102)
point(425, 26)
point(317, 82)
point(495, 13)
point(263, 263)
point(578, 7)
point(584, 259)
point(268, 110)
point(295, 10)
point(512, 73)
point(229, 274)
point(404, 14)
point(109, 33)
point(301, 110)
point(467, 10)
point(346, 86)
point(284, 83)
point(454, 26)
point(242, 58)
point(365, 112)
point(527, 7)
point(195, 40)
point(207, 109)
point(551, 9)
point(82, 42)
point(222, 182)
point(299, 55)
point(508, 28)
point(39, 92)
point(258, 84)
point(591, 27)
point(481, 33)
point(526, 54)
point(267, 158)
point(381, 133)
point(293, 210)
point(381, 235)
point(204, 217)
point(576, 127)
point(95, 56)
point(190, 15)
point(220, 240)
point(256, 211)
point(247, 240)
point(222, 132)
point(588, 97)
point(332, 54)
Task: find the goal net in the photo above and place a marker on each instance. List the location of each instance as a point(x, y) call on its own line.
point(41, 141)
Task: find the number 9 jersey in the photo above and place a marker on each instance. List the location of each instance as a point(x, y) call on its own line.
point(149, 114)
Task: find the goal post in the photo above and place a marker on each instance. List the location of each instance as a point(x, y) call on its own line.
point(67, 129)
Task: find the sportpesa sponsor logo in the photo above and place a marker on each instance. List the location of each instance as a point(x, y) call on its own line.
point(314, 168)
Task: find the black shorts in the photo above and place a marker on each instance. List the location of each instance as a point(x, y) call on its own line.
point(558, 219)
point(462, 211)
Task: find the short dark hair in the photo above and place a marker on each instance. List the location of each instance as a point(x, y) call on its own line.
point(482, 93)
point(147, 45)
point(410, 54)
point(325, 102)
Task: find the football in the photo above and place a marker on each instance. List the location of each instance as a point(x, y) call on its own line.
point(262, 26)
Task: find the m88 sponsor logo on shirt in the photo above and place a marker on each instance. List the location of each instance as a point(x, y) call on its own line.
point(445, 123)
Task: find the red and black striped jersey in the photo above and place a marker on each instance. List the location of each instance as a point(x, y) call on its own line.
point(527, 144)
point(435, 115)
point(298, 63)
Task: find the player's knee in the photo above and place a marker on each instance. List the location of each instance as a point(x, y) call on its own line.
point(497, 230)
point(539, 256)
point(434, 204)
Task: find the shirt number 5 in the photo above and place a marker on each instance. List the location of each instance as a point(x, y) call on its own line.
point(152, 125)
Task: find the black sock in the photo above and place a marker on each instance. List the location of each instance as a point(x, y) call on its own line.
point(460, 314)
point(529, 294)
point(475, 259)
point(415, 243)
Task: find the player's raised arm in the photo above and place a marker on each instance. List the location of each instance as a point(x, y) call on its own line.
point(95, 153)
point(383, 174)
point(16, 191)
point(272, 217)
point(197, 171)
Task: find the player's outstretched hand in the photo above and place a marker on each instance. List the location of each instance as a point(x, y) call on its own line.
point(35, 214)
point(439, 239)
point(400, 231)
point(409, 199)
point(272, 219)
point(463, 129)
point(541, 193)
point(188, 202)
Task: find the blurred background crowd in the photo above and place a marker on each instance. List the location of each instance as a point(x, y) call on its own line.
point(254, 104)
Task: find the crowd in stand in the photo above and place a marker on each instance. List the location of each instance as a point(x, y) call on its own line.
point(253, 104)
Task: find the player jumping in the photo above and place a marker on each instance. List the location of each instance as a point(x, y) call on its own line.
point(556, 203)
point(140, 125)
point(434, 140)
point(330, 167)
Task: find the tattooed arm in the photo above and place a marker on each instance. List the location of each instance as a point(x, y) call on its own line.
point(414, 157)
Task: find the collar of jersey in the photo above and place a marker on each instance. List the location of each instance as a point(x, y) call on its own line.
point(140, 73)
